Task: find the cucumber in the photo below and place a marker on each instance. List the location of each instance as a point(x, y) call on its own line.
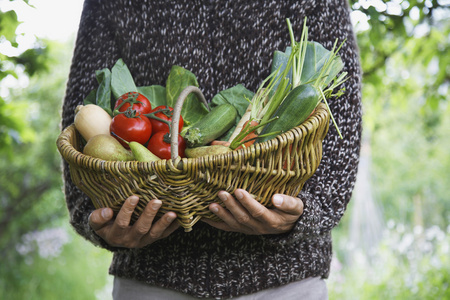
point(211, 126)
point(295, 108)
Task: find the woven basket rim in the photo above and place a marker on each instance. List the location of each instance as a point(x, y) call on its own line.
point(73, 156)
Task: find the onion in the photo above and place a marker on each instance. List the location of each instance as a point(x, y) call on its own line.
point(91, 120)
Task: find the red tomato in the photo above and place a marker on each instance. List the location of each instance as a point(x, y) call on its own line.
point(135, 100)
point(132, 129)
point(159, 145)
point(165, 113)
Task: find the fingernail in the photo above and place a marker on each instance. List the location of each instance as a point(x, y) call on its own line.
point(238, 194)
point(156, 204)
point(214, 209)
point(134, 200)
point(170, 218)
point(277, 200)
point(106, 213)
point(223, 197)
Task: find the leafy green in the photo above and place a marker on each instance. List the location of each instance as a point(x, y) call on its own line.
point(121, 79)
point(156, 94)
point(103, 94)
point(180, 78)
point(118, 81)
point(238, 96)
point(315, 59)
point(281, 60)
point(91, 98)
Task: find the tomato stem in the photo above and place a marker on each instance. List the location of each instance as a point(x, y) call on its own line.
point(129, 113)
point(165, 111)
point(166, 138)
point(131, 99)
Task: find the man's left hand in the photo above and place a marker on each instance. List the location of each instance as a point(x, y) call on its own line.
point(244, 214)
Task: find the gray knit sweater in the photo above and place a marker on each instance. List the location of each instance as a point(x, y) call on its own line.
point(223, 43)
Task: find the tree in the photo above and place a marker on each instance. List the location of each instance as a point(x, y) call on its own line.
point(31, 62)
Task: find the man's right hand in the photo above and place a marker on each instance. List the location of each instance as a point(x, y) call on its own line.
point(119, 233)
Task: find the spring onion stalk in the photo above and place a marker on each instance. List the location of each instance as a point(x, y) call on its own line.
point(270, 96)
point(299, 55)
point(321, 82)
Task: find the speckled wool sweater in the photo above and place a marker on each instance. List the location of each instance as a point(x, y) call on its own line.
point(223, 43)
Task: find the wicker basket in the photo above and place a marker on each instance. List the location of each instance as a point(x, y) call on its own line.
point(188, 185)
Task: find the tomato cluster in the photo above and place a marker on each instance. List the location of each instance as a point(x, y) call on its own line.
point(135, 120)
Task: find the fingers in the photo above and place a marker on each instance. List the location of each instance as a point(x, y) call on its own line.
point(256, 209)
point(163, 227)
point(245, 214)
point(288, 204)
point(240, 215)
point(100, 217)
point(238, 210)
point(143, 232)
point(144, 223)
point(123, 218)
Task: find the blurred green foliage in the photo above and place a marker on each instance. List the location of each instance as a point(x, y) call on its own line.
point(45, 269)
point(404, 48)
point(409, 264)
point(405, 61)
point(41, 256)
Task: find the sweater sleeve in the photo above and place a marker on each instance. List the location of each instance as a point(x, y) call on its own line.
point(327, 193)
point(94, 50)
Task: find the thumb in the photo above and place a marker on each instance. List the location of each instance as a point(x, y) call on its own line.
point(100, 217)
point(288, 204)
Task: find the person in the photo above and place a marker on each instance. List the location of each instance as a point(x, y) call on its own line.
point(282, 252)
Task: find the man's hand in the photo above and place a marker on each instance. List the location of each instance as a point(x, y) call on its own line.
point(119, 233)
point(244, 214)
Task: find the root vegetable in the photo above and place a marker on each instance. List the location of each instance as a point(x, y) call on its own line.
point(91, 120)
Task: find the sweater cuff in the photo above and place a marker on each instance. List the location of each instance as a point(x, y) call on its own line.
point(307, 225)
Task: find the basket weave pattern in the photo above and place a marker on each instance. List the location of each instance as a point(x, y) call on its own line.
point(188, 185)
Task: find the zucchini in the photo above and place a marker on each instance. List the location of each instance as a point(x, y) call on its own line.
point(295, 108)
point(211, 126)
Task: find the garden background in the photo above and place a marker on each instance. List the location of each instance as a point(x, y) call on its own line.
point(394, 240)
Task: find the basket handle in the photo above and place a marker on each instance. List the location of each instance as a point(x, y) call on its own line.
point(176, 117)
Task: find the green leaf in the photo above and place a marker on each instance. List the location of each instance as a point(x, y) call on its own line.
point(281, 59)
point(8, 25)
point(34, 60)
point(121, 79)
point(103, 95)
point(315, 59)
point(239, 97)
point(90, 98)
point(156, 94)
point(179, 78)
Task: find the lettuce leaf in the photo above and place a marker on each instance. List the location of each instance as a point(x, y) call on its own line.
point(180, 78)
